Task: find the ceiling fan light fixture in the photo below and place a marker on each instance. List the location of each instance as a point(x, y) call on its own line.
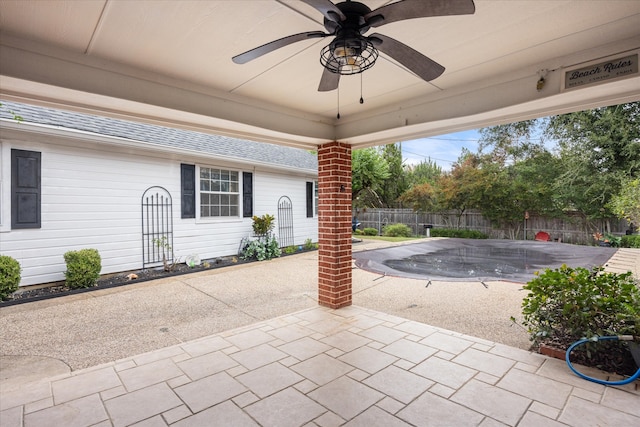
point(348, 56)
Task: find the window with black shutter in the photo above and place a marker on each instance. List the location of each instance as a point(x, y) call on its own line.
point(188, 190)
point(247, 194)
point(310, 195)
point(25, 189)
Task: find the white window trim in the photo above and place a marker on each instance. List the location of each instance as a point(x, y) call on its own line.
point(218, 219)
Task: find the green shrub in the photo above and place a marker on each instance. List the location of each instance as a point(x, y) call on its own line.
point(290, 250)
point(263, 225)
point(397, 230)
point(83, 268)
point(9, 276)
point(632, 241)
point(453, 232)
point(308, 245)
point(261, 249)
point(359, 232)
point(370, 231)
point(568, 304)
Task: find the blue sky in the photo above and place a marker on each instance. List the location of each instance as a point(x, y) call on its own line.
point(443, 149)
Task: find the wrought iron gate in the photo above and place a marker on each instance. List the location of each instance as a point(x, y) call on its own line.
point(285, 222)
point(157, 227)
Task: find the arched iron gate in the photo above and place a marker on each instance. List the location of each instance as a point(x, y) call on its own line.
point(157, 227)
point(285, 222)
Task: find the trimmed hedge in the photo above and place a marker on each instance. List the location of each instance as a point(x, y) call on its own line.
point(370, 231)
point(83, 268)
point(453, 232)
point(397, 230)
point(9, 276)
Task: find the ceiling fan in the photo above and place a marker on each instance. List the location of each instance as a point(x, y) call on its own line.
point(351, 52)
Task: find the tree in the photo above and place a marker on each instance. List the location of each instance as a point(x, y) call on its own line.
point(462, 188)
point(420, 198)
point(368, 171)
point(424, 172)
point(626, 204)
point(599, 150)
point(512, 190)
point(509, 143)
point(396, 184)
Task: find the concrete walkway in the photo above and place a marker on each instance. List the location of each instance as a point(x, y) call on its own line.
point(246, 346)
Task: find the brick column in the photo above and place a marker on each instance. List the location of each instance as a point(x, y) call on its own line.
point(334, 225)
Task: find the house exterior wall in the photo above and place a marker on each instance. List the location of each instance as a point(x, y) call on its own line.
point(91, 198)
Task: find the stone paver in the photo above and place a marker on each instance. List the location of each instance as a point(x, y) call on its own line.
point(282, 372)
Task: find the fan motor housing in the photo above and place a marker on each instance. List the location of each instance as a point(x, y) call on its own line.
point(354, 12)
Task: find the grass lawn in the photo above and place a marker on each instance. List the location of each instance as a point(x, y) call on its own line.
point(387, 239)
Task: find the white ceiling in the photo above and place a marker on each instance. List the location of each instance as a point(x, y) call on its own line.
point(170, 62)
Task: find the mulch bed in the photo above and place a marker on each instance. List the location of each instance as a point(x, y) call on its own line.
point(107, 281)
point(608, 356)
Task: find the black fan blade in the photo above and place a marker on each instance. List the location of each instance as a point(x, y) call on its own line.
point(328, 9)
point(409, 9)
point(257, 52)
point(427, 69)
point(329, 81)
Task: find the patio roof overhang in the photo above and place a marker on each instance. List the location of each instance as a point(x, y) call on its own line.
point(170, 63)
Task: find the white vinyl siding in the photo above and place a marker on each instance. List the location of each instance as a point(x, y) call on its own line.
point(91, 198)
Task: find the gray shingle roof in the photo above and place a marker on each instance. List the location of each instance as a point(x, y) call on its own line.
point(165, 137)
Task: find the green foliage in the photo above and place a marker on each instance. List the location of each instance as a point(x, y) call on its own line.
point(9, 276)
point(309, 245)
point(262, 249)
point(369, 170)
point(614, 241)
point(632, 241)
point(626, 204)
point(598, 150)
point(290, 250)
point(369, 231)
point(454, 232)
point(421, 198)
point(463, 187)
point(397, 230)
point(509, 143)
point(83, 268)
point(511, 189)
point(392, 188)
point(568, 304)
point(162, 243)
point(263, 225)
point(422, 173)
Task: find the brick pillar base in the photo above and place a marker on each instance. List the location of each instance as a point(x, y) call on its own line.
point(334, 225)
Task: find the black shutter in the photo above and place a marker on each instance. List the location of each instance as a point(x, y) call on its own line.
point(309, 199)
point(25, 189)
point(247, 194)
point(188, 190)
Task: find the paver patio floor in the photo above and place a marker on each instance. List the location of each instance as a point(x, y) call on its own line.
point(323, 367)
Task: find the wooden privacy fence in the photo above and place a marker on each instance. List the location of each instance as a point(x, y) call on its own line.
point(574, 228)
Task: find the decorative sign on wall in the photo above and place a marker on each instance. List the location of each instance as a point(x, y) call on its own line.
point(601, 72)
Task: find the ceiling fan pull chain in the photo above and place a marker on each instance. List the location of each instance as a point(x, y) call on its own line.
point(338, 116)
point(361, 98)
